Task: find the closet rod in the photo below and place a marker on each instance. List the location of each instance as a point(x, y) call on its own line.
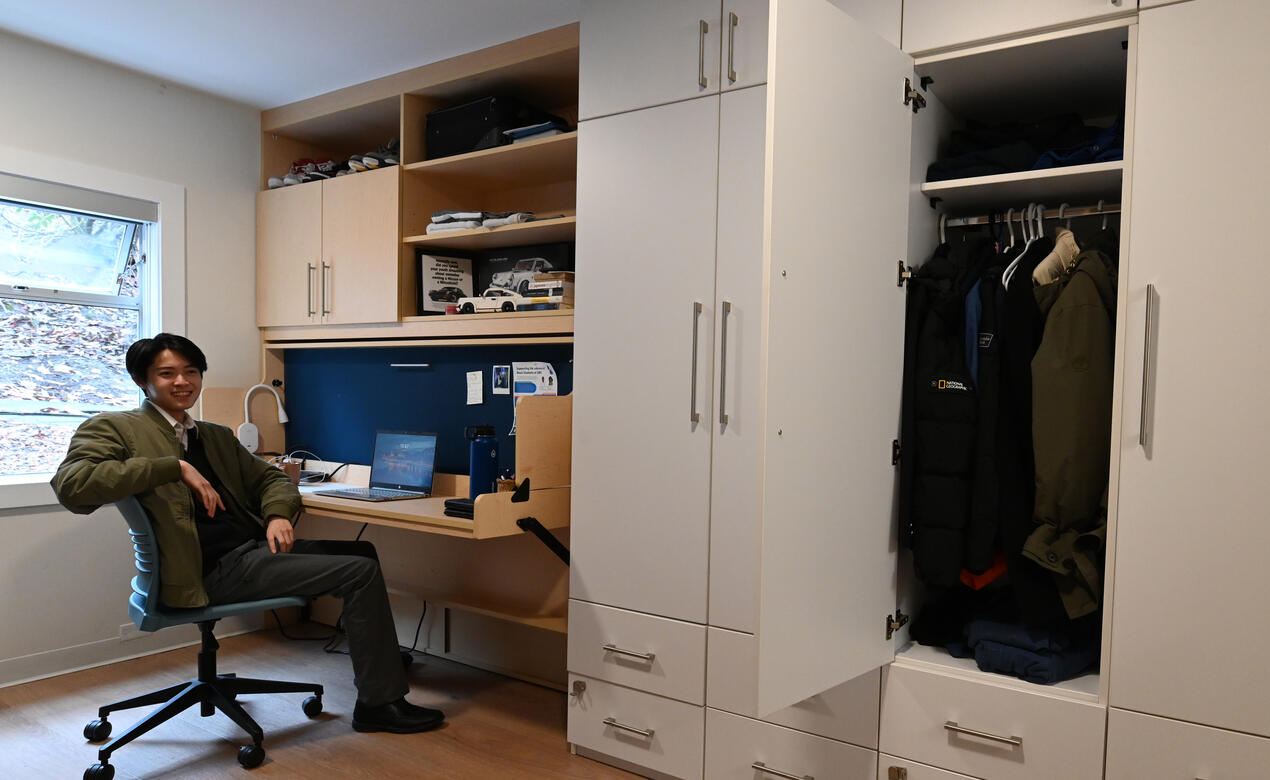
point(1070, 211)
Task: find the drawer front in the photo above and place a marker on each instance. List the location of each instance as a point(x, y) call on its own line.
point(659, 655)
point(848, 712)
point(735, 744)
point(673, 733)
point(1057, 738)
point(1144, 747)
point(892, 768)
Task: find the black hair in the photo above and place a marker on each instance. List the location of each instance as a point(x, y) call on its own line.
point(142, 353)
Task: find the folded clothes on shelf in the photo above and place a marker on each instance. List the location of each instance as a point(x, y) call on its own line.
point(458, 215)
point(447, 227)
point(507, 218)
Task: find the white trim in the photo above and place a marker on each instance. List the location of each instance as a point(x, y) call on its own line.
point(169, 311)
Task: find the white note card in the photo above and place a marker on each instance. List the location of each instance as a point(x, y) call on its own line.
point(475, 388)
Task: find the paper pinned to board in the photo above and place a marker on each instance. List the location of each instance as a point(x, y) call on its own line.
point(475, 388)
point(532, 378)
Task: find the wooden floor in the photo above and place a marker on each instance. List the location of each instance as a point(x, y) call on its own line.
point(496, 728)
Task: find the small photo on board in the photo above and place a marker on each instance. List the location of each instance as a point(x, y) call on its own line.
point(502, 378)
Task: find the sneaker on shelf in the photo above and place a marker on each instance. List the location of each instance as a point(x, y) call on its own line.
point(302, 166)
point(384, 156)
point(293, 178)
point(356, 165)
point(275, 182)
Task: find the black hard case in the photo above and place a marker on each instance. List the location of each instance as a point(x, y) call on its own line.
point(478, 125)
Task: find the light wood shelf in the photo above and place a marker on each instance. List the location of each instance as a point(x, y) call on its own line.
point(545, 159)
point(1079, 185)
point(540, 232)
point(493, 328)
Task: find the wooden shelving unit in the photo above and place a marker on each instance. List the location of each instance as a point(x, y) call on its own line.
point(552, 158)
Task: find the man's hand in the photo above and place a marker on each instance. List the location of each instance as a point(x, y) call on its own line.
point(280, 534)
point(201, 488)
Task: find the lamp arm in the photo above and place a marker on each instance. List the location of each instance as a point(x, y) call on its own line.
point(282, 413)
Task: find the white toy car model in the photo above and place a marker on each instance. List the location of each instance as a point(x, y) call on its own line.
point(493, 299)
point(519, 277)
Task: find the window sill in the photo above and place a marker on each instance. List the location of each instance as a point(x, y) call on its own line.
point(27, 490)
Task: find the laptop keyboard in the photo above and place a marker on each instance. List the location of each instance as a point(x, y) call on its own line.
point(380, 493)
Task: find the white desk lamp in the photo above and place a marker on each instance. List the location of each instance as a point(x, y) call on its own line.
point(248, 433)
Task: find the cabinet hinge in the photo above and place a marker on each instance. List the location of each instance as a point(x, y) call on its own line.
point(895, 452)
point(913, 97)
point(895, 623)
point(902, 273)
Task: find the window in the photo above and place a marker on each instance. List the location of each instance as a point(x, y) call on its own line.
point(73, 290)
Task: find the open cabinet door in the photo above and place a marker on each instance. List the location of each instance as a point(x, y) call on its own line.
point(836, 223)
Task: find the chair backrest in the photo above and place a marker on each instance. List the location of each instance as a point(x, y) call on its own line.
point(143, 606)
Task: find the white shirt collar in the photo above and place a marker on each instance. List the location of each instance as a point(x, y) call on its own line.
point(179, 427)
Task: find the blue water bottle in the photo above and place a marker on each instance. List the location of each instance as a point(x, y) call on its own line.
point(483, 463)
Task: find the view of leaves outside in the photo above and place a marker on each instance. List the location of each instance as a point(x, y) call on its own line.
point(61, 363)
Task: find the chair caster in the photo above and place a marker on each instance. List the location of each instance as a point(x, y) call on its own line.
point(251, 756)
point(99, 772)
point(97, 730)
point(407, 658)
point(312, 706)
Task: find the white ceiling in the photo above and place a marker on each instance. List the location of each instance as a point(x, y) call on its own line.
point(268, 53)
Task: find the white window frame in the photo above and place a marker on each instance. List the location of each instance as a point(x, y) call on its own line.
point(164, 293)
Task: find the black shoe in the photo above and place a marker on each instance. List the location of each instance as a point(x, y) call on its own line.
point(398, 717)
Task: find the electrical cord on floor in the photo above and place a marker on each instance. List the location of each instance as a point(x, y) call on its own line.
point(414, 646)
point(285, 635)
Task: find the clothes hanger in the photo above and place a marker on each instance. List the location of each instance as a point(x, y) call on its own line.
point(1009, 225)
point(1026, 222)
point(1104, 216)
point(1062, 207)
point(943, 220)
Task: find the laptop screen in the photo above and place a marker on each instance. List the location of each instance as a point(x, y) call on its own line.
point(403, 461)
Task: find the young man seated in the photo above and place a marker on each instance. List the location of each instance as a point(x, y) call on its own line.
point(222, 520)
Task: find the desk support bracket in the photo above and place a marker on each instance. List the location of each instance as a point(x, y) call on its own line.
point(534, 527)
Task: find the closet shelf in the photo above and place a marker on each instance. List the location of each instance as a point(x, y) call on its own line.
point(528, 327)
point(545, 159)
point(540, 232)
point(1077, 184)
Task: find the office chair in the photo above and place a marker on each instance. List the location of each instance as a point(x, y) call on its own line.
point(211, 691)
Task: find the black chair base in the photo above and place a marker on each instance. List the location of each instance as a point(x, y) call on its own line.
point(211, 692)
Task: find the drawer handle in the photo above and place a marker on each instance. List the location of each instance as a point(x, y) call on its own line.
point(760, 766)
point(646, 733)
point(630, 653)
point(951, 725)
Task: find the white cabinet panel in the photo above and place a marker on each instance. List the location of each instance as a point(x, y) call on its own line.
point(666, 657)
point(1144, 747)
point(645, 261)
point(848, 712)
point(938, 24)
point(1191, 521)
point(744, 43)
point(736, 468)
point(648, 731)
point(881, 16)
point(1057, 739)
point(635, 55)
point(836, 212)
point(735, 744)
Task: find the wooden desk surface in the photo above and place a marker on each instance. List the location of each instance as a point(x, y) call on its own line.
point(495, 513)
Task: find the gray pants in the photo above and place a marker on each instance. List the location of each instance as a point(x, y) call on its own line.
point(346, 570)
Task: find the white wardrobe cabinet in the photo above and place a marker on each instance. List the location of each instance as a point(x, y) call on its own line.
point(1189, 627)
point(941, 24)
point(1144, 747)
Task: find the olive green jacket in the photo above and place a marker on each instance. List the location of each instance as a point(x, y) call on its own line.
point(120, 454)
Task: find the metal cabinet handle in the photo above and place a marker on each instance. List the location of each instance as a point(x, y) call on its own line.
point(951, 725)
point(764, 768)
point(701, 54)
point(723, 362)
point(325, 308)
point(733, 21)
point(308, 279)
point(611, 648)
point(696, 319)
point(647, 733)
point(1148, 365)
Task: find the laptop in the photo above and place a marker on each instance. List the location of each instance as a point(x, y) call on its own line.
point(401, 468)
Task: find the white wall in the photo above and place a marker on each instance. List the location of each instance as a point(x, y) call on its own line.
point(64, 578)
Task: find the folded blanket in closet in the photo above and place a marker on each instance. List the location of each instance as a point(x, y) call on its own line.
point(442, 217)
point(445, 227)
point(507, 218)
point(1031, 654)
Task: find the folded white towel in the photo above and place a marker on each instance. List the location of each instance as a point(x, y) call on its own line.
point(441, 217)
point(514, 218)
point(445, 227)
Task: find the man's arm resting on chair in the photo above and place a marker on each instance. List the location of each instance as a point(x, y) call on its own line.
point(98, 468)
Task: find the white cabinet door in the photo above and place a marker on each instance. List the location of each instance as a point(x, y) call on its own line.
point(836, 213)
point(744, 47)
point(1191, 521)
point(938, 24)
point(734, 487)
point(642, 359)
point(1143, 747)
point(640, 54)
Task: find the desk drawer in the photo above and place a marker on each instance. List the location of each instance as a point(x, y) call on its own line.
point(676, 662)
point(892, 768)
point(1144, 747)
point(675, 732)
point(734, 744)
point(1058, 738)
point(848, 712)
